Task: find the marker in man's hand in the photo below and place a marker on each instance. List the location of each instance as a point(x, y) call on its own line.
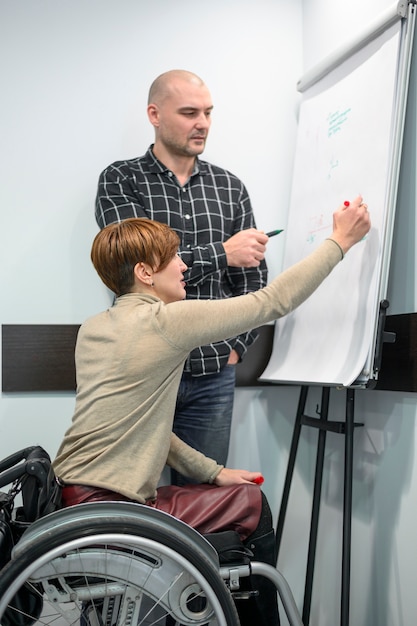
point(272, 233)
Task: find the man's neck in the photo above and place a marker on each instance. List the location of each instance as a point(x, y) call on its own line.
point(181, 166)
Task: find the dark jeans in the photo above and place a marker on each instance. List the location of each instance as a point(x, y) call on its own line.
point(203, 415)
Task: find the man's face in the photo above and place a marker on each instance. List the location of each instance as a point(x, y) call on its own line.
point(183, 119)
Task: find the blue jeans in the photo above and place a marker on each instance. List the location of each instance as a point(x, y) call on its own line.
point(203, 415)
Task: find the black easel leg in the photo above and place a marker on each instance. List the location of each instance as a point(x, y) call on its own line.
point(347, 507)
point(348, 430)
point(318, 479)
point(290, 467)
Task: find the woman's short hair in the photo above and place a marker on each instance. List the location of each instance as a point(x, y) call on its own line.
point(119, 247)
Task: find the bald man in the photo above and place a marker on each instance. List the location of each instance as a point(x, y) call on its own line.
point(211, 211)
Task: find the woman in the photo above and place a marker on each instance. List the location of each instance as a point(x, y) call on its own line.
point(129, 361)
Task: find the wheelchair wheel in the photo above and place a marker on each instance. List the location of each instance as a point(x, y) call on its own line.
point(114, 564)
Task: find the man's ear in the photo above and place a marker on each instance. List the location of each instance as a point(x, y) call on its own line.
point(153, 114)
point(143, 273)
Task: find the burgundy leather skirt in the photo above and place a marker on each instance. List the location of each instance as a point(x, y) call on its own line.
point(207, 508)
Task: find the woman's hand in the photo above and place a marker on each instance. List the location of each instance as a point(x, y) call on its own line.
point(351, 222)
point(237, 476)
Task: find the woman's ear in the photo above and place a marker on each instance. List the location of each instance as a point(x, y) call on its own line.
point(143, 274)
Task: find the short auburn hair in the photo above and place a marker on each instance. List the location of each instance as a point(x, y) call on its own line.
point(119, 247)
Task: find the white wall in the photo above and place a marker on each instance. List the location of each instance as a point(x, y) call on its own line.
point(75, 76)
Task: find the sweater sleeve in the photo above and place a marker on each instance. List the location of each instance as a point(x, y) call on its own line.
point(190, 462)
point(197, 322)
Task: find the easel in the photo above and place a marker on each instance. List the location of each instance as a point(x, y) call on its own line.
point(324, 426)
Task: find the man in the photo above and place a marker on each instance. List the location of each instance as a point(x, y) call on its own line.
point(210, 210)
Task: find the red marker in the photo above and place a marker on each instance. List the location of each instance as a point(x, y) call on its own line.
point(346, 203)
point(259, 480)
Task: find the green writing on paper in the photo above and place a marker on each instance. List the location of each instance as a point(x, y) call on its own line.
point(336, 120)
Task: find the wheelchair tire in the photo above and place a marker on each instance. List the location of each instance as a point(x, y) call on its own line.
point(117, 563)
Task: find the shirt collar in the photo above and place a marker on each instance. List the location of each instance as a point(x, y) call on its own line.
point(157, 167)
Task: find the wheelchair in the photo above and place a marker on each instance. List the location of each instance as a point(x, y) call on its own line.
point(111, 563)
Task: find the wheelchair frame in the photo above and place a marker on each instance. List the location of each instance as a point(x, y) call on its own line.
point(121, 563)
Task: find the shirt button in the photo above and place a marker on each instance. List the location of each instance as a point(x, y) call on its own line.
point(170, 174)
point(184, 189)
point(187, 216)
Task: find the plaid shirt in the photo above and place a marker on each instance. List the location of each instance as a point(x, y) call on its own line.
point(211, 207)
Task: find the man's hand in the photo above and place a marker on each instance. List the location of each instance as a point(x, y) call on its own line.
point(233, 358)
point(246, 248)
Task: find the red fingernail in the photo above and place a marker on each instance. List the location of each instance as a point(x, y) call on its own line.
point(346, 203)
point(259, 480)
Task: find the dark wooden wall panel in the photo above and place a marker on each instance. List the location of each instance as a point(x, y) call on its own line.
point(399, 359)
point(38, 357)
